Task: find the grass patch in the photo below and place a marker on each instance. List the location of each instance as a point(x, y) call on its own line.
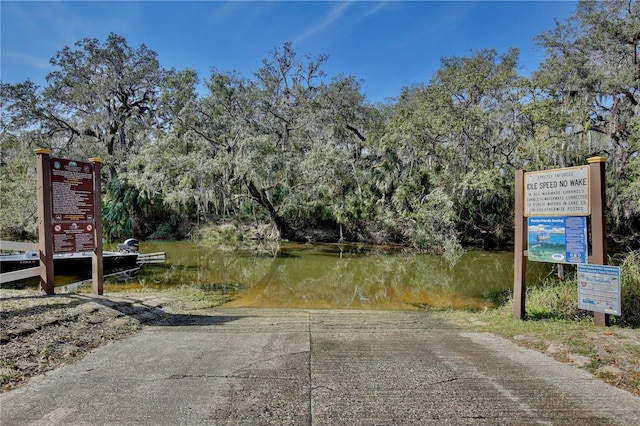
point(629, 291)
point(554, 300)
point(558, 300)
point(633, 348)
point(7, 379)
point(195, 297)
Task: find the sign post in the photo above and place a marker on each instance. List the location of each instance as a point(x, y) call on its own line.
point(598, 223)
point(558, 202)
point(97, 283)
point(70, 219)
point(519, 263)
point(45, 209)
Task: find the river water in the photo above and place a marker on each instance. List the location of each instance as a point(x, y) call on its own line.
point(325, 276)
point(332, 276)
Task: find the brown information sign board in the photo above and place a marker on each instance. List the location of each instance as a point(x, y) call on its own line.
point(72, 202)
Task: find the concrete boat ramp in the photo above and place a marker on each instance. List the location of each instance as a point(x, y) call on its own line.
point(310, 367)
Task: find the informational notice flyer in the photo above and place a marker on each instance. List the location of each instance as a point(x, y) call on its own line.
point(599, 288)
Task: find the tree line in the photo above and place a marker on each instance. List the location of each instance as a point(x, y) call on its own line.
point(432, 168)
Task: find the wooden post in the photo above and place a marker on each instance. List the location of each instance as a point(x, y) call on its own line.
point(97, 267)
point(45, 219)
point(598, 222)
point(519, 263)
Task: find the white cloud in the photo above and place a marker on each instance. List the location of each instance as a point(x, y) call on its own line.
point(333, 16)
point(27, 60)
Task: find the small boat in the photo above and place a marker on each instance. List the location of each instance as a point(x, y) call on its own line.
point(74, 263)
point(542, 236)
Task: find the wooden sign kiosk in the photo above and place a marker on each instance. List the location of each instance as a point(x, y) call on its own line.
point(598, 228)
point(69, 214)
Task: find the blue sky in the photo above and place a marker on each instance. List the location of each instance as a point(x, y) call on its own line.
point(388, 45)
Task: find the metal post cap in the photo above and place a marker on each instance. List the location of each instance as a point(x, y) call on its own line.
point(597, 160)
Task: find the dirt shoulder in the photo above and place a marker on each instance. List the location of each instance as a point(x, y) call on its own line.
point(39, 333)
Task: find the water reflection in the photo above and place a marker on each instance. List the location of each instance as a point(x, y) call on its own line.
point(333, 276)
point(328, 276)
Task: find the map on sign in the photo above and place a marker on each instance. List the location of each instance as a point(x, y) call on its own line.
point(559, 192)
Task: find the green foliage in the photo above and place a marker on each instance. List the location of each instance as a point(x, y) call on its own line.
point(586, 92)
point(485, 205)
point(18, 198)
point(109, 88)
point(238, 236)
point(354, 210)
point(559, 299)
point(223, 234)
point(100, 97)
point(164, 231)
point(555, 299)
point(128, 211)
point(117, 209)
point(628, 198)
point(433, 168)
point(629, 291)
point(435, 225)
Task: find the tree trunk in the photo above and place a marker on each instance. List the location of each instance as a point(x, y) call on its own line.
point(287, 232)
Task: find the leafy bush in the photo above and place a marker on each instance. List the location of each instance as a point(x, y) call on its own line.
point(117, 205)
point(554, 299)
point(225, 234)
point(434, 229)
point(559, 299)
point(164, 231)
point(629, 291)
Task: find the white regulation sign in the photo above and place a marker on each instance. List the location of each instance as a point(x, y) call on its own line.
point(599, 288)
point(558, 192)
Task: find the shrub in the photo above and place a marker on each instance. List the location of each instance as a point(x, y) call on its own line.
point(554, 299)
point(225, 233)
point(434, 229)
point(629, 291)
point(164, 231)
point(559, 299)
